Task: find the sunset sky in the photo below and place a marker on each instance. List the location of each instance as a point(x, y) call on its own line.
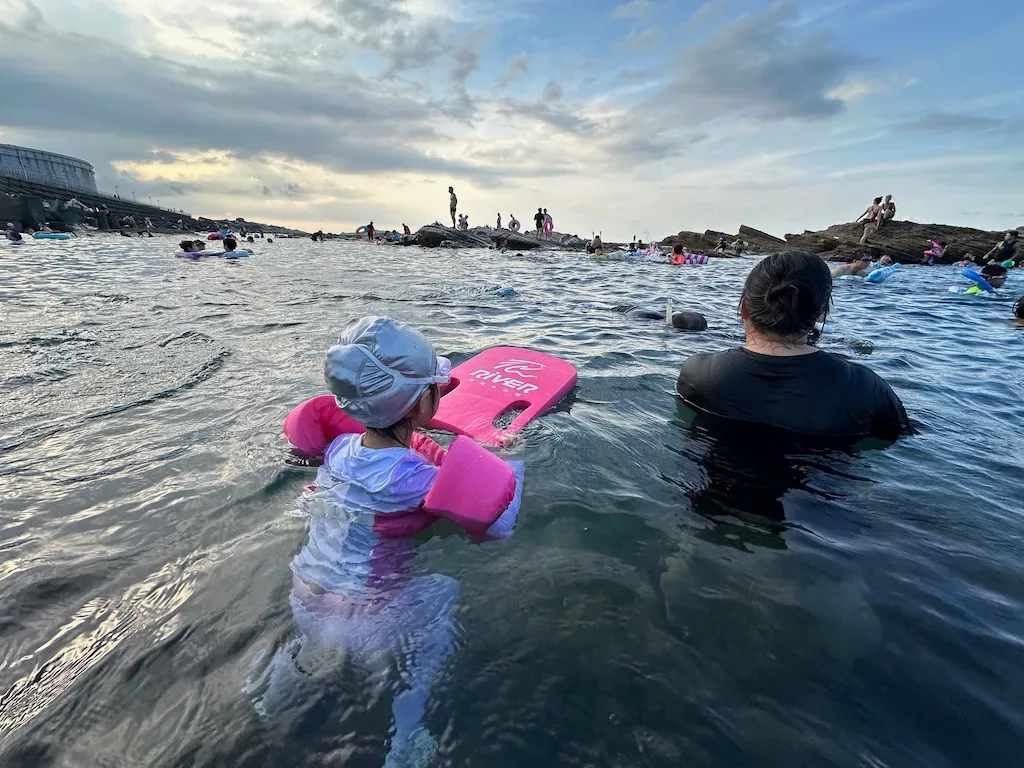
point(643, 118)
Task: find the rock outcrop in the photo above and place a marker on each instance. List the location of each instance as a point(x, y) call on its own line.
point(437, 235)
point(903, 241)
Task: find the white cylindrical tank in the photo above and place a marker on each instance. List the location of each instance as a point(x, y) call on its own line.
point(46, 167)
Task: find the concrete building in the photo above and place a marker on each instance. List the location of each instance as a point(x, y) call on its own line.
point(47, 168)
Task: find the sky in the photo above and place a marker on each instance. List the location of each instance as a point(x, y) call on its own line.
point(644, 117)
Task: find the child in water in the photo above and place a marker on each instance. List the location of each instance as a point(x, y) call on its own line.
point(354, 585)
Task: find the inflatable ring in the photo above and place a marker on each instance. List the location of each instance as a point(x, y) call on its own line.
point(213, 236)
point(979, 281)
point(361, 230)
point(513, 225)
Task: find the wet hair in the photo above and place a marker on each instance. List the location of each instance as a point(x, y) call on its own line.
point(1018, 308)
point(787, 293)
point(689, 321)
point(678, 248)
point(878, 200)
point(187, 246)
point(993, 270)
point(230, 243)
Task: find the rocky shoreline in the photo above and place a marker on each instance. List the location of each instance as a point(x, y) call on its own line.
point(903, 241)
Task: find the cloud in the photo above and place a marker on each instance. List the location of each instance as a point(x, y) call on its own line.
point(552, 91)
point(465, 62)
point(707, 14)
point(642, 39)
point(634, 9)
point(763, 66)
point(556, 115)
point(947, 122)
point(515, 69)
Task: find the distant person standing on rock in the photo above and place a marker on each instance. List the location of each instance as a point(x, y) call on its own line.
point(499, 221)
point(369, 231)
point(888, 209)
point(405, 229)
point(871, 217)
point(548, 222)
point(453, 204)
point(538, 219)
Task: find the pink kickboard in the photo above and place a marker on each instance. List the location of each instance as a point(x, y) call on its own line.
point(499, 380)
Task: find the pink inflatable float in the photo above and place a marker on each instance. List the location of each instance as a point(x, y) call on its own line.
point(497, 382)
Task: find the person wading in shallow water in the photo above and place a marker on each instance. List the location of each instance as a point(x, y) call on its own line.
point(779, 380)
point(453, 204)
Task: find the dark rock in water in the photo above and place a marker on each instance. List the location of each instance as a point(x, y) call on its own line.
point(903, 241)
point(437, 235)
point(519, 241)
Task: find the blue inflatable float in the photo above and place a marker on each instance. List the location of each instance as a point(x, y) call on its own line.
point(51, 236)
point(978, 280)
point(881, 274)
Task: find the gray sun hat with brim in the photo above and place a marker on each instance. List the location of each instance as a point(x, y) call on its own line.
point(379, 369)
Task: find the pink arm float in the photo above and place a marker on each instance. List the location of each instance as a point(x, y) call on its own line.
point(474, 489)
point(313, 425)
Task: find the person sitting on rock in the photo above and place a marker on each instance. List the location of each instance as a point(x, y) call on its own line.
point(738, 246)
point(858, 268)
point(1004, 249)
point(871, 218)
point(888, 210)
point(464, 222)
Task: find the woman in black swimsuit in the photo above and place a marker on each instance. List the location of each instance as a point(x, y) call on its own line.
point(778, 379)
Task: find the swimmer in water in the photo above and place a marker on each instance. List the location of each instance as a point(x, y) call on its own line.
point(682, 321)
point(885, 261)
point(995, 274)
point(1018, 309)
point(858, 267)
point(356, 584)
point(11, 233)
point(777, 378)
